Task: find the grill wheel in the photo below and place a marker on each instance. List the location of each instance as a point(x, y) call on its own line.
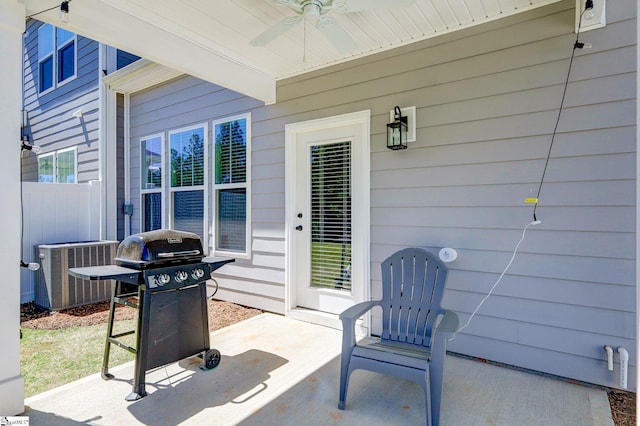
point(211, 359)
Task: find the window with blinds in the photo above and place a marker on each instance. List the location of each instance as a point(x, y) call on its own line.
point(187, 149)
point(151, 211)
point(151, 161)
point(187, 158)
point(331, 215)
point(231, 184)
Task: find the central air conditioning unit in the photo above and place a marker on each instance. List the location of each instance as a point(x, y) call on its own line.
point(55, 289)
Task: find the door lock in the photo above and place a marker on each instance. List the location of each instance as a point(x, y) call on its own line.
point(299, 228)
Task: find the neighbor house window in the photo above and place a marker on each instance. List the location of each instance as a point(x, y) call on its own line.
point(60, 166)
point(56, 57)
point(187, 176)
point(46, 168)
point(230, 188)
point(151, 161)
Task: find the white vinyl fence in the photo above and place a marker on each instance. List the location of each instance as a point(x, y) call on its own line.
point(56, 213)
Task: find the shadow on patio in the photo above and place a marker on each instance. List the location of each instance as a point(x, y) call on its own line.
point(278, 371)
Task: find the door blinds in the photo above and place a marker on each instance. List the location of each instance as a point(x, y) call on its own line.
point(331, 215)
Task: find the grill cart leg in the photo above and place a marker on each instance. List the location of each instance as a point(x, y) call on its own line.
point(107, 345)
point(116, 289)
point(140, 368)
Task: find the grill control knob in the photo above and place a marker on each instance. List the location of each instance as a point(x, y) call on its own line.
point(181, 276)
point(163, 279)
point(197, 273)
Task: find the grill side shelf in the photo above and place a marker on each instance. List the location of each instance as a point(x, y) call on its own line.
point(106, 272)
point(217, 262)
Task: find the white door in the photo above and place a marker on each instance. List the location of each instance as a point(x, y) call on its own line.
point(328, 213)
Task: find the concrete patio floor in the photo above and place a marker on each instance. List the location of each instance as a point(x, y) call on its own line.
point(279, 371)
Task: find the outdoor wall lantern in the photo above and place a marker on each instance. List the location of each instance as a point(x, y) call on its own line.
point(33, 148)
point(397, 131)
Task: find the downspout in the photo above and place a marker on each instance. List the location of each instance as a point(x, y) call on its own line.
point(102, 143)
point(637, 197)
point(127, 163)
point(107, 148)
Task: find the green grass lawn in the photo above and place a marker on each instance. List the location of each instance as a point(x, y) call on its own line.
point(51, 358)
point(327, 260)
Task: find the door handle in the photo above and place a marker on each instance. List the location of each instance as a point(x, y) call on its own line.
point(299, 228)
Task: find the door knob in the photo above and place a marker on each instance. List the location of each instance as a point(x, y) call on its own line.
point(299, 228)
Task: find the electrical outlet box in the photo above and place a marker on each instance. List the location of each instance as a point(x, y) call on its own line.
point(127, 209)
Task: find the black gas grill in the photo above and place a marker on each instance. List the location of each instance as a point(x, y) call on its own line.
point(168, 273)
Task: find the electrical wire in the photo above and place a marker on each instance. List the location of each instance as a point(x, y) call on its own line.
point(21, 211)
point(576, 45)
point(513, 256)
point(216, 290)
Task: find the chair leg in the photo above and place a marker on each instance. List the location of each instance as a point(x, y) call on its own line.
point(344, 380)
point(436, 394)
point(427, 398)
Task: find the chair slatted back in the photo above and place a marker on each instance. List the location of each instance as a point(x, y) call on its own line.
point(413, 283)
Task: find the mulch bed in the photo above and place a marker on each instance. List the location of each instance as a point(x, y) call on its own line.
point(623, 407)
point(222, 314)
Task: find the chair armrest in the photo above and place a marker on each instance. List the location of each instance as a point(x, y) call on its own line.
point(449, 323)
point(356, 311)
point(443, 332)
point(348, 318)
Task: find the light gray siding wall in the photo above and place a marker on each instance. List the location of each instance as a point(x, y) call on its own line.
point(51, 125)
point(487, 100)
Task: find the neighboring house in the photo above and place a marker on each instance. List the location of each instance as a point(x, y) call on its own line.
point(256, 182)
point(65, 114)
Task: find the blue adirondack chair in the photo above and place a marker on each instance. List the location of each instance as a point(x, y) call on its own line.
point(415, 328)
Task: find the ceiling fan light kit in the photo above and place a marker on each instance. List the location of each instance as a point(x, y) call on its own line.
point(315, 12)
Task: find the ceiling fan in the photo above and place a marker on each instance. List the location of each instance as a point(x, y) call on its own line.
point(315, 12)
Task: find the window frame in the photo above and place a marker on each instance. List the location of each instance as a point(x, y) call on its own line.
point(53, 161)
point(246, 185)
point(53, 54)
point(171, 190)
point(74, 40)
point(161, 189)
point(50, 54)
point(75, 163)
point(54, 156)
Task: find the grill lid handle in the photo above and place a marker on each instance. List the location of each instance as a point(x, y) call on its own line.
point(179, 253)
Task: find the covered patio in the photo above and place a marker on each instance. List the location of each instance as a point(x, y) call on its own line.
point(279, 371)
point(276, 370)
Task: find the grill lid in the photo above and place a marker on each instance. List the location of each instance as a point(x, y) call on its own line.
point(158, 248)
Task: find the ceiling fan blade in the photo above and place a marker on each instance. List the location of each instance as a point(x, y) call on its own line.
point(336, 35)
point(346, 6)
point(275, 31)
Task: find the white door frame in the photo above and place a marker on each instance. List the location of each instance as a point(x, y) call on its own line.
point(360, 260)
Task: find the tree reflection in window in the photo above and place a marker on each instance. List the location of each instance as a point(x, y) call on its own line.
point(231, 152)
point(187, 158)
